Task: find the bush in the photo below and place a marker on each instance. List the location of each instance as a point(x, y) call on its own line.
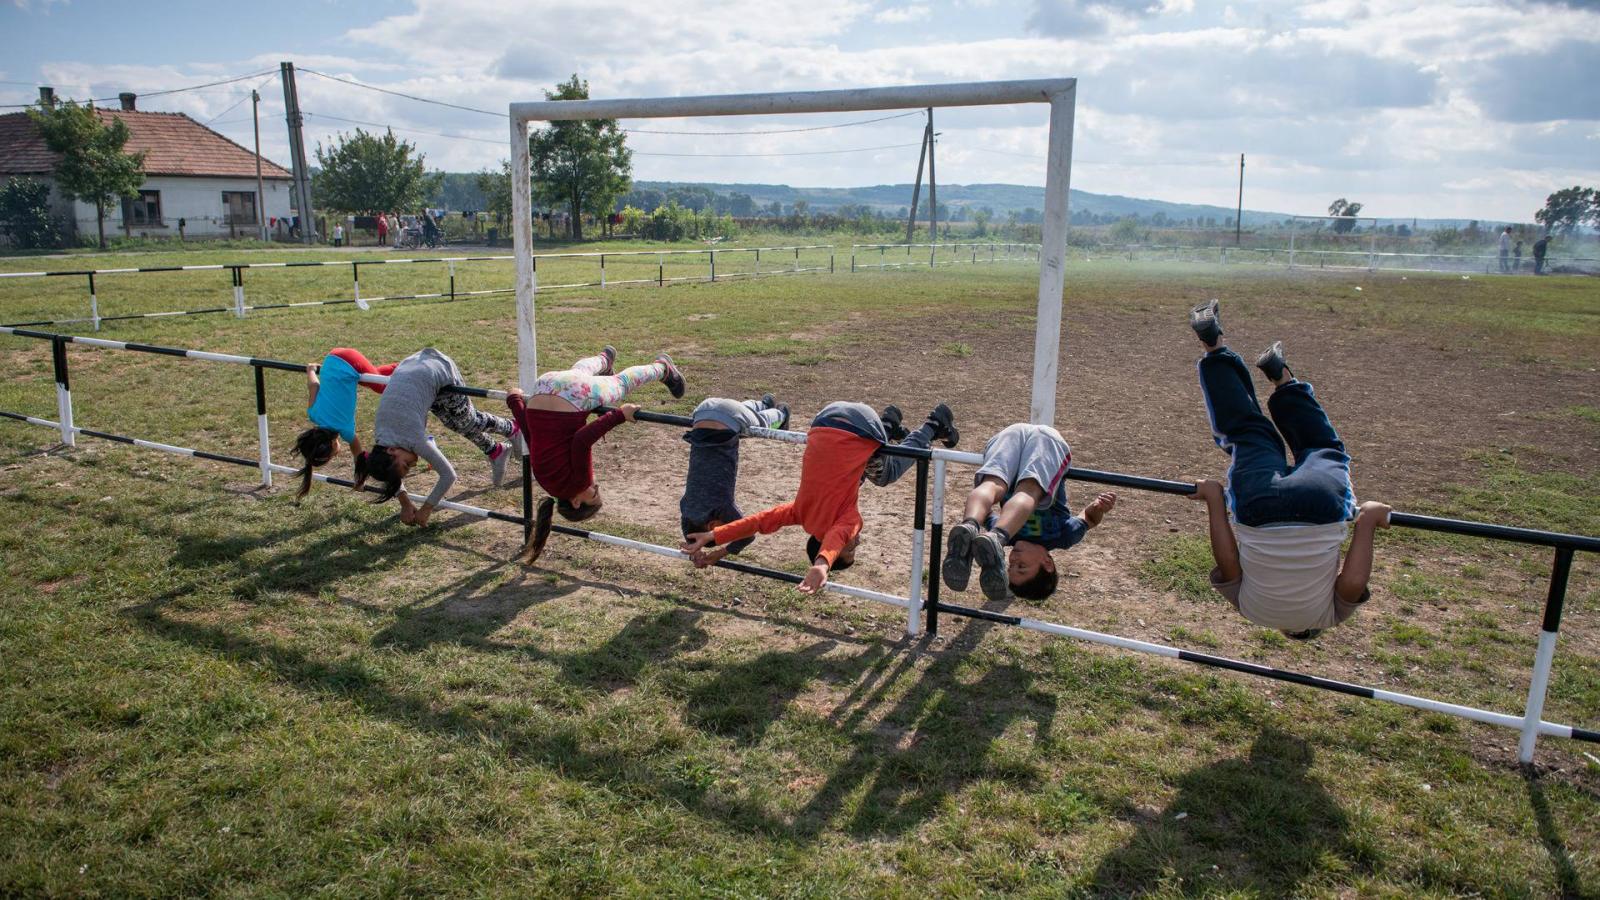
point(25, 214)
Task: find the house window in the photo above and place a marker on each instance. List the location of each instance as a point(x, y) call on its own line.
point(146, 210)
point(239, 207)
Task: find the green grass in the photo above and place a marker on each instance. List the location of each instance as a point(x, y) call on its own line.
point(208, 689)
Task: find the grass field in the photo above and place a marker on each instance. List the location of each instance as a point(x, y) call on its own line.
point(210, 689)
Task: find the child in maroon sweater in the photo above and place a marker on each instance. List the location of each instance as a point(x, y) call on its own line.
point(555, 423)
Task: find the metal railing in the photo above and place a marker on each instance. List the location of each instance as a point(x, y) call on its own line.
point(1530, 724)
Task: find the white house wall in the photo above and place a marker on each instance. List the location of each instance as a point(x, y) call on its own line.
point(198, 201)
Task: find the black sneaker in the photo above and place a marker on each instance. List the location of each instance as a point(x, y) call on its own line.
point(1272, 364)
point(769, 402)
point(610, 353)
point(893, 423)
point(944, 426)
point(783, 424)
point(674, 378)
point(1206, 323)
point(1306, 635)
point(990, 553)
point(957, 565)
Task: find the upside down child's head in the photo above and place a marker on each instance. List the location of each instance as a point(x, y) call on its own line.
point(1031, 570)
point(847, 556)
point(316, 446)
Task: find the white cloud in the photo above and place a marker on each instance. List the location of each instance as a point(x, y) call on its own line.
point(898, 15)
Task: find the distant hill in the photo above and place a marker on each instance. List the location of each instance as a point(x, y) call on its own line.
point(460, 192)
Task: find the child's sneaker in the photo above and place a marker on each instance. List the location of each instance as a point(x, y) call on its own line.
point(944, 426)
point(893, 423)
point(783, 423)
point(497, 462)
point(1206, 323)
point(610, 353)
point(769, 402)
point(1306, 635)
point(957, 566)
point(1271, 362)
point(990, 552)
point(674, 378)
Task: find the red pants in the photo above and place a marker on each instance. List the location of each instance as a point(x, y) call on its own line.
point(363, 366)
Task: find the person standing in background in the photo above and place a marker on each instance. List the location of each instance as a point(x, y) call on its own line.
point(383, 229)
point(1540, 247)
point(1505, 250)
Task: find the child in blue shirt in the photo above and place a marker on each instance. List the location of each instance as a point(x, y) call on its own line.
point(332, 409)
point(1023, 476)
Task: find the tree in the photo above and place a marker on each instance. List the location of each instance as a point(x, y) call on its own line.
point(582, 165)
point(496, 190)
point(1566, 209)
point(93, 167)
point(367, 174)
point(25, 214)
point(1343, 207)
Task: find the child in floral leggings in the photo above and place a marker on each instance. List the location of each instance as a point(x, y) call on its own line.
point(555, 419)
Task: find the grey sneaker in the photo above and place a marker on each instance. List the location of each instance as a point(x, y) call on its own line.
point(990, 553)
point(673, 378)
point(1205, 321)
point(957, 566)
point(610, 353)
point(1272, 364)
point(497, 462)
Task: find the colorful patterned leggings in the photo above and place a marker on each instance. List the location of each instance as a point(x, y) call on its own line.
point(459, 415)
point(585, 388)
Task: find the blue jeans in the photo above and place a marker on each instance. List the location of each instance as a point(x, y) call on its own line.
point(1263, 488)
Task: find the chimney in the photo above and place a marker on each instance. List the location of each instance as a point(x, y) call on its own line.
point(47, 97)
point(127, 98)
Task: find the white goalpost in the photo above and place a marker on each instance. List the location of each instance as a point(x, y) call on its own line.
point(1355, 222)
point(1059, 93)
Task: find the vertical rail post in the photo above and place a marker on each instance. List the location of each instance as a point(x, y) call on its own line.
point(238, 292)
point(918, 537)
point(452, 264)
point(713, 255)
point(661, 273)
point(934, 573)
point(94, 304)
point(58, 355)
point(830, 262)
point(1542, 659)
point(261, 427)
point(758, 262)
point(602, 270)
point(355, 281)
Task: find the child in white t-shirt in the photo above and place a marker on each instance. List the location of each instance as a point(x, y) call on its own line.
point(1278, 558)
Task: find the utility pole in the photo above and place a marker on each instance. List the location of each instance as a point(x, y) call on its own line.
point(297, 152)
point(916, 190)
point(933, 185)
point(1238, 213)
point(261, 197)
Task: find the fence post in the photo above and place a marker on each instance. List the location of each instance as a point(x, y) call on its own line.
point(661, 273)
point(452, 264)
point(918, 524)
point(94, 304)
point(758, 262)
point(261, 427)
point(713, 255)
point(58, 355)
point(238, 292)
point(934, 573)
point(1534, 711)
point(602, 270)
point(355, 281)
point(830, 262)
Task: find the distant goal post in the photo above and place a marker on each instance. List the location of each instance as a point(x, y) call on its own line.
point(1352, 223)
point(1059, 93)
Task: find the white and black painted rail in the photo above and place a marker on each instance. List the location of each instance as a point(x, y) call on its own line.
point(1531, 724)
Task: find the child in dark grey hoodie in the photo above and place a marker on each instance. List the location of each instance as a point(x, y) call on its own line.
point(708, 490)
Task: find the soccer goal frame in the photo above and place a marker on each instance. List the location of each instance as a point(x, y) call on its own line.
point(1059, 93)
point(1372, 237)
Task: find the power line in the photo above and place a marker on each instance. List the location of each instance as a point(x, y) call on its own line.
point(400, 94)
point(162, 93)
point(459, 137)
point(242, 99)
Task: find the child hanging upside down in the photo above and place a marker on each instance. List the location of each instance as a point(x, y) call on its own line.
point(1278, 560)
point(332, 409)
point(841, 450)
point(709, 488)
point(555, 418)
point(400, 431)
point(1024, 475)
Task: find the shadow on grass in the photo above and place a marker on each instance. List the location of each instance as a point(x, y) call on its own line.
point(1256, 825)
point(1550, 836)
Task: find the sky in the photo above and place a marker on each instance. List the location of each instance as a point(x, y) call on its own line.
point(1449, 109)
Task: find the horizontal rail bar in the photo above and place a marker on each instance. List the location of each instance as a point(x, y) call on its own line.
point(1473, 713)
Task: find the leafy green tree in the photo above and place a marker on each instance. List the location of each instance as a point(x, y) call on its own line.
point(1566, 209)
point(496, 190)
point(1343, 207)
point(367, 174)
point(582, 165)
point(25, 214)
point(93, 166)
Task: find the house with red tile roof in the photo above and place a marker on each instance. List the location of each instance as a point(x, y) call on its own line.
point(195, 178)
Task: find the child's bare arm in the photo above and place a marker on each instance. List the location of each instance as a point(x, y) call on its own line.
point(1224, 546)
point(312, 384)
point(1351, 585)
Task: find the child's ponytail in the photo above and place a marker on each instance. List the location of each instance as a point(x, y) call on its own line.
point(542, 521)
point(316, 447)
